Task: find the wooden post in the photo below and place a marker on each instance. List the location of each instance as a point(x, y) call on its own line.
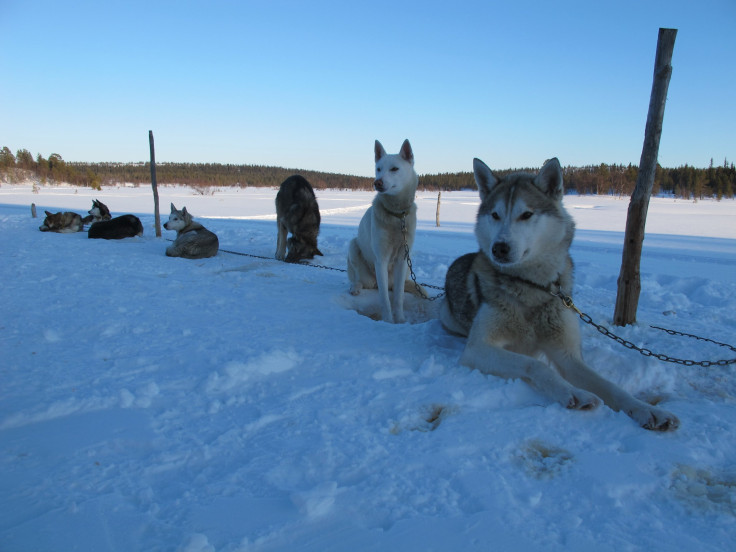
point(629, 282)
point(33, 210)
point(154, 185)
point(437, 218)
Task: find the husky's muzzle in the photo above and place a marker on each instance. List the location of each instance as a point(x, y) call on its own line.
point(501, 251)
point(378, 185)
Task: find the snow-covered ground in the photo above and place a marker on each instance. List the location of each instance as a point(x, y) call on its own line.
point(238, 403)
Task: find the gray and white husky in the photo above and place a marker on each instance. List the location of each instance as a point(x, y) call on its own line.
point(502, 299)
point(193, 241)
point(297, 212)
point(64, 222)
point(377, 257)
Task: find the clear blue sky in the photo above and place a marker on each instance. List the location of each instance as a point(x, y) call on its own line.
point(311, 84)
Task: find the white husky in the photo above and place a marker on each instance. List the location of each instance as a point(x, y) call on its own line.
point(504, 297)
point(377, 257)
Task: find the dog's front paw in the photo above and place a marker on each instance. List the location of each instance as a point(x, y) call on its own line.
point(355, 289)
point(582, 400)
point(656, 419)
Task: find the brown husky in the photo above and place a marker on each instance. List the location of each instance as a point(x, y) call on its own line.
point(297, 212)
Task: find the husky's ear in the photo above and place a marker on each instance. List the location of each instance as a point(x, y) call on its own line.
point(380, 152)
point(483, 178)
point(406, 153)
point(549, 179)
point(48, 214)
point(173, 208)
point(184, 211)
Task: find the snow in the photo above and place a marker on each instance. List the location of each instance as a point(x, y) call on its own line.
point(242, 404)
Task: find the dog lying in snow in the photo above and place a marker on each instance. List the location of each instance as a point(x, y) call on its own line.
point(193, 241)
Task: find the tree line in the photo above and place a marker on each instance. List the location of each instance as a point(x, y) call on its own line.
point(685, 182)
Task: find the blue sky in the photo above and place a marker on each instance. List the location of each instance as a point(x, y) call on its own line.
point(311, 84)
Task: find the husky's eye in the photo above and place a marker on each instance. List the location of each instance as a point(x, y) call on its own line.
point(494, 216)
point(394, 169)
point(526, 215)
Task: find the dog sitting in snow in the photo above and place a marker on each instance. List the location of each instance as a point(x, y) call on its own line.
point(377, 257)
point(193, 241)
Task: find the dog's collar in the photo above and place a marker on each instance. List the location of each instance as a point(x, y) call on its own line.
point(400, 215)
point(553, 288)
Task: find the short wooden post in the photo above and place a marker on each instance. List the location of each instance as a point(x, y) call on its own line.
point(33, 210)
point(437, 218)
point(629, 281)
point(154, 185)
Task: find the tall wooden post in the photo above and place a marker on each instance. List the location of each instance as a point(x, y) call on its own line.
point(629, 282)
point(154, 185)
point(437, 216)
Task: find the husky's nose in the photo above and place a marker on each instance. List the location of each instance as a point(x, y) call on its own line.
point(501, 251)
point(378, 185)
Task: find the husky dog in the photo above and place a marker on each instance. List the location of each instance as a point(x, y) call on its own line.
point(503, 298)
point(97, 213)
point(65, 223)
point(297, 212)
point(193, 241)
point(377, 257)
point(124, 226)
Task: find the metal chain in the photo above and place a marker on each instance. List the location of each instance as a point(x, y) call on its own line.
point(419, 289)
point(303, 263)
point(325, 267)
point(244, 254)
point(567, 301)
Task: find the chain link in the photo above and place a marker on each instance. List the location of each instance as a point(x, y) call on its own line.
point(325, 267)
point(568, 302)
point(411, 269)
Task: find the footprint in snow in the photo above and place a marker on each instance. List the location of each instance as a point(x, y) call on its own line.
point(542, 460)
point(427, 419)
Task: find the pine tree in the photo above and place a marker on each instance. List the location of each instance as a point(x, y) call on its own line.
point(24, 159)
point(7, 159)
